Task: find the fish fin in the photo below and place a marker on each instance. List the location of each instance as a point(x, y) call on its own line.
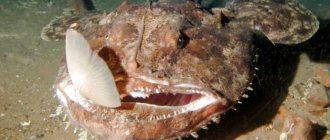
point(282, 21)
point(89, 73)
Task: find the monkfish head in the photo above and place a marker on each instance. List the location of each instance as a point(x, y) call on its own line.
point(157, 71)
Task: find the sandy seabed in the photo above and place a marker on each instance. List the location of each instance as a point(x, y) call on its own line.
point(28, 66)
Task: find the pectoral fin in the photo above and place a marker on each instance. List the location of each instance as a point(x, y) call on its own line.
point(282, 21)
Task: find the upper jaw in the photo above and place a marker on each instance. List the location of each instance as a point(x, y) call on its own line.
point(143, 86)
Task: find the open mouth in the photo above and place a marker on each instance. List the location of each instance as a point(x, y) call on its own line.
point(169, 99)
point(165, 99)
point(181, 107)
point(178, 102)
point(190, 96)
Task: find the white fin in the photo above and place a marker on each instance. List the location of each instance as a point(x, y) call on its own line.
point(89, 73)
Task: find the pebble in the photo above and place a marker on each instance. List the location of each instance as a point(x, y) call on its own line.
point(26, 123)
point(318, 96)
point(297, 128)
point(323, 75)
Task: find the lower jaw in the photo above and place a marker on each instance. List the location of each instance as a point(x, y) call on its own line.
point(108, 123)
point(137, 121)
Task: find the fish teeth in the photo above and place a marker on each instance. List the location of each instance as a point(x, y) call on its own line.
point(176, 113)
point(151, 118)
point(216, 119)
point(249, 88)
point(245, 96)
point(194, 134)
point(204, 127)
point(183, 109)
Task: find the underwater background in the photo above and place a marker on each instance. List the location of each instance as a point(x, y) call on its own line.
point(29, 65)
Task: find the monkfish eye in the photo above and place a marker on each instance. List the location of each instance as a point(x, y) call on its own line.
point(181, 42)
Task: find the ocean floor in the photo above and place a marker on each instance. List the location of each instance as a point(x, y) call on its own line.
point(292, 84)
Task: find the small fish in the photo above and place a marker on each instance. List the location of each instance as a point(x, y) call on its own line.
point(89, 73)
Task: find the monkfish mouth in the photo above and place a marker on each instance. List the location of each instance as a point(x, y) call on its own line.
point(148, 110)
point(180, 97)
point(167, 99)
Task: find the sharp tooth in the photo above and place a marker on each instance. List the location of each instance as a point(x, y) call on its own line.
point(67, 124)
point(204, 127)
point(249, 88)
point(216, 120)
point(194, 134)
point(75, 130)
point(245, 96)
point(182, 110)
point(89, 73)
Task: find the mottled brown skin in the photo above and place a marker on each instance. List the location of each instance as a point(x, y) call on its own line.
point(162, 45)
point(282, 21)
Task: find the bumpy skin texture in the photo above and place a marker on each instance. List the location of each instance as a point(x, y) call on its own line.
point(164, 44)
point(282, 21)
